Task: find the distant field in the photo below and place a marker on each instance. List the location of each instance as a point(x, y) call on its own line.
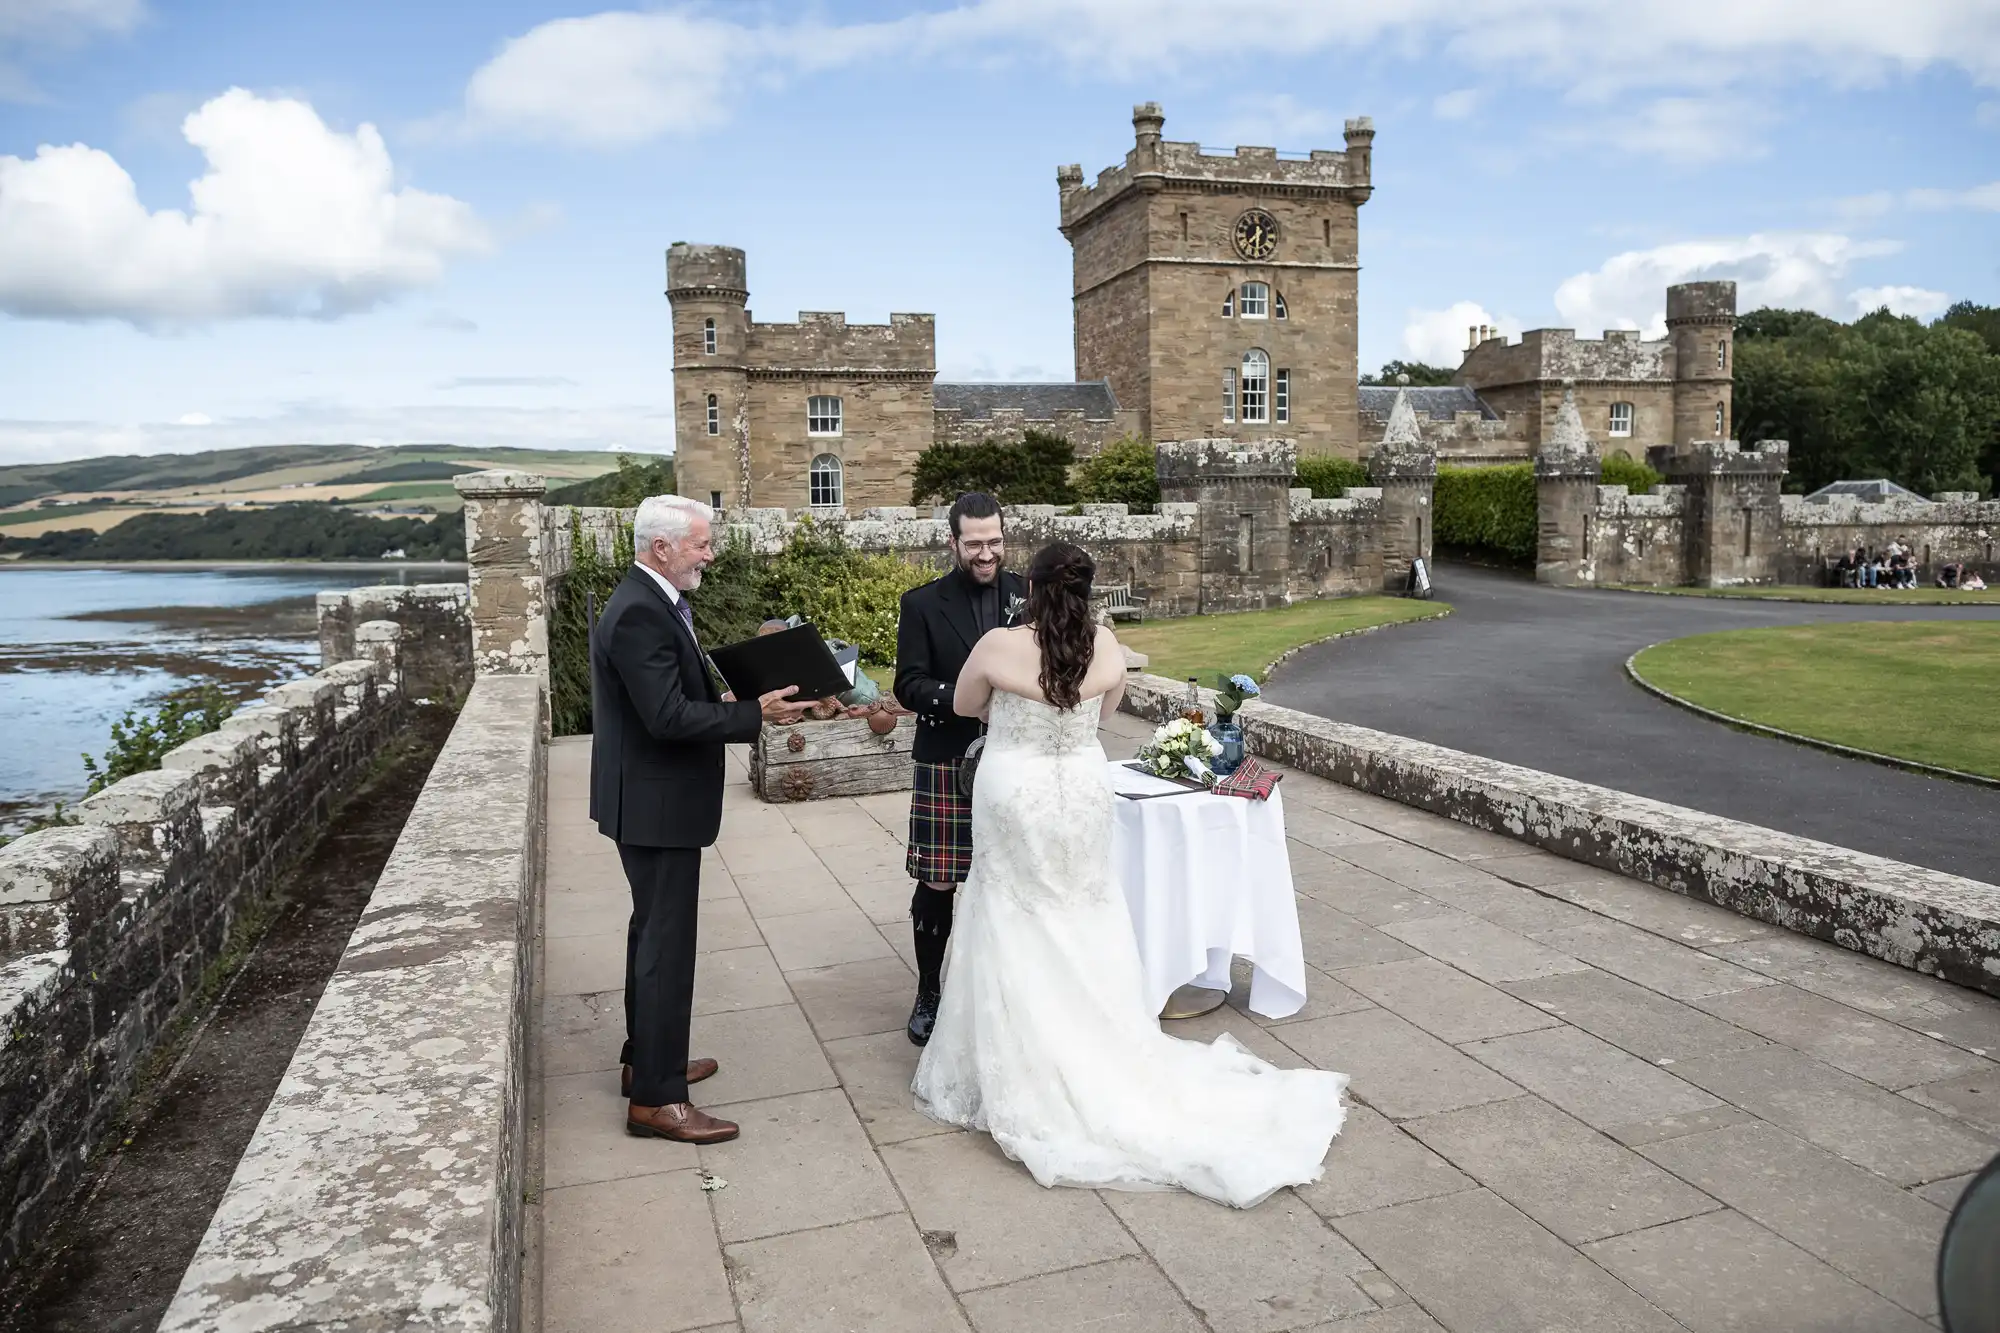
point(59, 520)
point(14, 518)
point(413, 490)
point(265, 472)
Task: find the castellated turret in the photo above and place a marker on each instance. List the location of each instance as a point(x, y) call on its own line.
point(1701, 325)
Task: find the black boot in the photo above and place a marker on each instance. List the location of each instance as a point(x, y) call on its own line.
point(930, 923)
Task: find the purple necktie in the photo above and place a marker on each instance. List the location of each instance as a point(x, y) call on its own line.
point(685, 606)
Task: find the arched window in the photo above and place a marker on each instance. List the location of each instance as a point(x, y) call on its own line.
point(1721, 423)
point(1256, 300)
point(708, 336)
point(714, 415)
point(825, 482)
point(1229, 304)
point(1621, 420)
point(1256, 387)
point(1278, 310)
point(823, 415)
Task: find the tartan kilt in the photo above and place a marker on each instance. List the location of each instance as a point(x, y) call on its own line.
point(940, 826)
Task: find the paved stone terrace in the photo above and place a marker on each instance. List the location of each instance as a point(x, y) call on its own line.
point(1580, 1102)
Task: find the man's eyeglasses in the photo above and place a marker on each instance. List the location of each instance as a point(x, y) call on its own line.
point(981, 548)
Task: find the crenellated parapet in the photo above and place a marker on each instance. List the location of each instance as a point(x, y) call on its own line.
point(107, 926)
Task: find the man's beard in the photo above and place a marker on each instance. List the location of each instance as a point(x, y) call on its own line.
point(966, 568)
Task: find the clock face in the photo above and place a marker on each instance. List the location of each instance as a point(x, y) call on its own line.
point(1256, 235)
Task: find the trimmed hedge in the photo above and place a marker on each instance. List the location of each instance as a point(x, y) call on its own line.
point(1623, 470)
point(1329, 476)
point(1487, 511)
point(1123, 472)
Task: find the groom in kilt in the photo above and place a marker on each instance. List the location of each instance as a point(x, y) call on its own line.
point(940, 623)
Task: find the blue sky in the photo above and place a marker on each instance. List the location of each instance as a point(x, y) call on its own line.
point(229, 224)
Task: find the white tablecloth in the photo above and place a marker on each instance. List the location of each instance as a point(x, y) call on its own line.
point(1207, 878)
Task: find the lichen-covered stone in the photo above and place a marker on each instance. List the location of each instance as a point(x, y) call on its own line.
point(382, 1188)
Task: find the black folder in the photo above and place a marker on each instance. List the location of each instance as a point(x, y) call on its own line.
point(799, 656)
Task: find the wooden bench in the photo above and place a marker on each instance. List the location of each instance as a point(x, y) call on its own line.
point(1118, 600)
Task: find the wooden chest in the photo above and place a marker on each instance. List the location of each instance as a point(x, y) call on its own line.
point(811, 761)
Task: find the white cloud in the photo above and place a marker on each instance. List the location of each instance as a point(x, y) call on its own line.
point(195, 419)
point(1281, 120)
point(621, 76)
point(1439, 337)
point(643, 429)
point(1686, 131)
point(291, 219)
point(1457, 104)
point(28, 25)
point(1984, 198)
point(1785, 269)
point(1918, 302)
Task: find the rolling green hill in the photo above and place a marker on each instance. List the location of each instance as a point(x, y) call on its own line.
point(286, 464)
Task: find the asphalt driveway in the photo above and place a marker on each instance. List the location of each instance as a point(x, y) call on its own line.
point(1536, 676)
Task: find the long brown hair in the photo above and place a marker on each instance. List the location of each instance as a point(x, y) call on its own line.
point(1059, 609)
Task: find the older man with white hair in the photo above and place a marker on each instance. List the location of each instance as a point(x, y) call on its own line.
point(659, 722)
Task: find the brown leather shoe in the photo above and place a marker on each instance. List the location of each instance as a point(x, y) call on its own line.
point(681, 1122)
point(697, 1071)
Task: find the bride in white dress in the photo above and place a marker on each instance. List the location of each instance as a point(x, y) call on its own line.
point(1044, 1039)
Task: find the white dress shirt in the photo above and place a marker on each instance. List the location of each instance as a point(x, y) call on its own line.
point(673, 593)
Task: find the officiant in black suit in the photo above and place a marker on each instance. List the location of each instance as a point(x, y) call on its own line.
point(659, 722)
point(940, 622)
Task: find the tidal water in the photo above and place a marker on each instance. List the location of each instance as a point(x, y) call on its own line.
point(80, 647)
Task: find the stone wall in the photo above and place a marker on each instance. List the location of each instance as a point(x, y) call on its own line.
point(1931, 922)
point(432, 623)
point(1637, 539)
point(1956, 527)
point(383, 1186)
point(1007, 426)
point(107, 927)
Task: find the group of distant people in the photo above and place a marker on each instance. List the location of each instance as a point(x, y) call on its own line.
point(1896, 567)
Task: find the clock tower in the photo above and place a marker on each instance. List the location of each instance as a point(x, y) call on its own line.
point(1217, 293)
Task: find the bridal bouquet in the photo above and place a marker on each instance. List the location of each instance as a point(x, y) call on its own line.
point(1173, 745)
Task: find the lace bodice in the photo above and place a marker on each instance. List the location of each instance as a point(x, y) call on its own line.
point(1017, 723)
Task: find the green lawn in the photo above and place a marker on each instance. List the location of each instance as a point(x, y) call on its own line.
point(1858, 596)
point(407, 490)
point(1928, 691)
point(16, 517)
point(1250, 641)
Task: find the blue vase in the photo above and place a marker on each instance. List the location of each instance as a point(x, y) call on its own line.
point(1230, 737)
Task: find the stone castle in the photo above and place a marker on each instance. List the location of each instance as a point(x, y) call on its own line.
point(1215, 297)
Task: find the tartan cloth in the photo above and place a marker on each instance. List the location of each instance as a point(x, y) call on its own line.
point(1251, 780)
point(940, 826)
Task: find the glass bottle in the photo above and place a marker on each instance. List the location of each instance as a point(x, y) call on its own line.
point(1191, 702)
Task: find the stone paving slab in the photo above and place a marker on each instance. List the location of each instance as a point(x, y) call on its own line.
point(1579, 1102)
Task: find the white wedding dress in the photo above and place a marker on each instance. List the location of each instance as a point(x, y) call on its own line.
point(1044, 1039)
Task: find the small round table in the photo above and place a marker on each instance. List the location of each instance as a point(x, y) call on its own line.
point(1207, 880)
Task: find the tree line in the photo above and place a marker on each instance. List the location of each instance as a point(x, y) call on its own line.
point(308, 530)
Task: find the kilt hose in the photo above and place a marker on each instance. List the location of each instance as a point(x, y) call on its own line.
point(940, 826)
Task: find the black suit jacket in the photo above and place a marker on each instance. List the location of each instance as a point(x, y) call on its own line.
point(933, 638)
point(658, 723)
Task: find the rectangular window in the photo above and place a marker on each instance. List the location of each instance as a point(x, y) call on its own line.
point(714, 415)
point(1256, 398)
point(708, 336)
point(1256, 301)
point(1184, 227)
point(715, 499)
point(1229, 395)
point(1721, 355)
point(823, 414)
point(1281, 396)
point(1719, 423)
point(1621, 419)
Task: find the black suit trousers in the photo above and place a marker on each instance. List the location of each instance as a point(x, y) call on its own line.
point(659, 969)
